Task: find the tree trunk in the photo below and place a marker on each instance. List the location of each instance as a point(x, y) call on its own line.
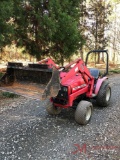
point(1, 54)
point(62, 60)
point(81, 54)
point(98, 60)
point(102, 57)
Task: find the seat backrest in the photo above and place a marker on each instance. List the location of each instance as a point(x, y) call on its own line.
point(94, 72)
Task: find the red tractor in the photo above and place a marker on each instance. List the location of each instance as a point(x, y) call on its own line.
point(74, 85)
point(71, 86)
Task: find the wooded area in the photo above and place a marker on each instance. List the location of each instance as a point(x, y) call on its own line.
point(59, 29)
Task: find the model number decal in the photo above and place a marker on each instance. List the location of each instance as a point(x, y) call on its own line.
point(78, 87)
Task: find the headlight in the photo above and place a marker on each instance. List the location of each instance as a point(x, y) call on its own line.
point(63, 88)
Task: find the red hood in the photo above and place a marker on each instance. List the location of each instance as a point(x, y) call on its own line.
point(73, 81)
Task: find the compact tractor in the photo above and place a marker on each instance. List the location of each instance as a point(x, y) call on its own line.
point(71, 86)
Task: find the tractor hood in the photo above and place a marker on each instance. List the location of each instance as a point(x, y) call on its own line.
point(76, 82)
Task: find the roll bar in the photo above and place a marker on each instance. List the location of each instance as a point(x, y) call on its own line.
point(99, 51)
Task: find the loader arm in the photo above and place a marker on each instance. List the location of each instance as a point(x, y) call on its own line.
point(78, 67)
point(49, 62)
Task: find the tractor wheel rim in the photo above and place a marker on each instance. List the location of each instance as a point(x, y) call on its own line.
point(108, 94)
point(88, 114)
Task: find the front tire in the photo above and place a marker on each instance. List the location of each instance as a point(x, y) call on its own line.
point(104, 95)
point(83, 112)
point(52, 110)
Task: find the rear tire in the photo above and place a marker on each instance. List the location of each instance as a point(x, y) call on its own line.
point(52, 110)
point(83, 112)
point(104, 94)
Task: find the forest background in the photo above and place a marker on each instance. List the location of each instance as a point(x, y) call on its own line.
point(63, 30)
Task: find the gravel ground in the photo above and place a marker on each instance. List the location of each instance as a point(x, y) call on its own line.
point(27, 132)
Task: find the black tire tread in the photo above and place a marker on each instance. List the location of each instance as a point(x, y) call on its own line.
point(52, 110)
point(101, 97)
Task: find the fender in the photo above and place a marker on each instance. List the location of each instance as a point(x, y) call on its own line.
point(99, 83)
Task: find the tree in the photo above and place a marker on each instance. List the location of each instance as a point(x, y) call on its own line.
point(6, 22)
point(97, 24)
point(48, 27)
point(83, 15)
point(115, 31)
point(67, 38)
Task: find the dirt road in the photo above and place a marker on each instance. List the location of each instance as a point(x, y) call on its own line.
point(27, 132)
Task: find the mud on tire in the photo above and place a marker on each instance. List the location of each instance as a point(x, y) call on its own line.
point(52, 110)
point(104, 94)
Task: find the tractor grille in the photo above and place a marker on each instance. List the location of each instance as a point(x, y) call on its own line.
point(62, 97)
point(60, 101)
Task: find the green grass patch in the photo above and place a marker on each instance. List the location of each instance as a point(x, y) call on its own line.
point(9, 95)
point(115, 71)
point(1, 74)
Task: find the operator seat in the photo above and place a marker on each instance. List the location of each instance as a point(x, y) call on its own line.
point(94, 72)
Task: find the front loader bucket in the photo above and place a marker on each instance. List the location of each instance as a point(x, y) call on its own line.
point(53, 86)
point(28, 81)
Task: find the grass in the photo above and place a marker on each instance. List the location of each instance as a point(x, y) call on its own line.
point(9, 95)
point(114, 71)
point(1, 74)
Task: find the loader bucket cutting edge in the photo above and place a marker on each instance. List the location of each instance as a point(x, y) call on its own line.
point(28, 81)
